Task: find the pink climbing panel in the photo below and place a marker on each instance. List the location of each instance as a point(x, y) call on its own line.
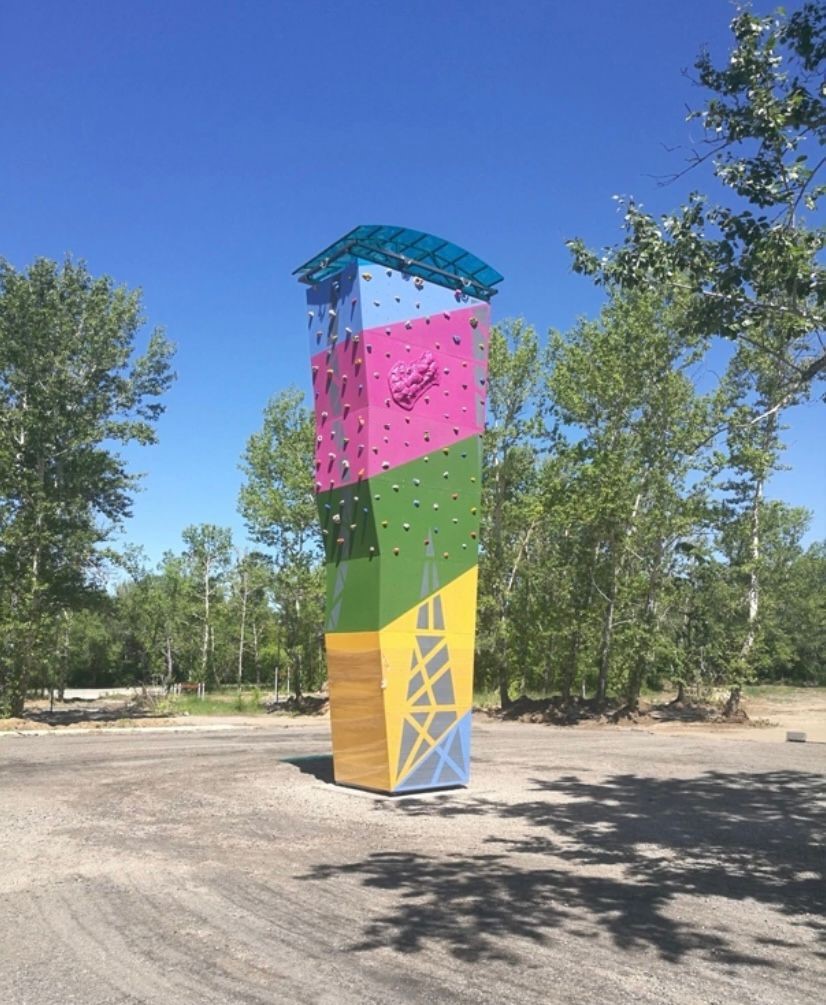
point(382, 400)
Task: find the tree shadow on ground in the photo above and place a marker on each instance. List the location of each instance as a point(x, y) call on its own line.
point(611, 858)
point(76, 711)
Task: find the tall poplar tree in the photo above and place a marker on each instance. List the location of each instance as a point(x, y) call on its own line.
point(71, 390)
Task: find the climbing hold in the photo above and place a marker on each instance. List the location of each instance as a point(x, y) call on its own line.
point(310, 314)
point(395, 551)
point(366, 276)
point(474, 322)
point(406, 526)
point(332, 312)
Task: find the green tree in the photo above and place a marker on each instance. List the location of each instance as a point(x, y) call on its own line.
point(277, 502)
point(154, 616)
point(208, 557)
point(752, 266)
point(510, 507)
point(623, 383)
point(71, 389)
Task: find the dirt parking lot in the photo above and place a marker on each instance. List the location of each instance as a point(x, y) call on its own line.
point(213, 866)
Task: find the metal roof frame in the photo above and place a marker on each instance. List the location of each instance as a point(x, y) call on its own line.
point(411, 251)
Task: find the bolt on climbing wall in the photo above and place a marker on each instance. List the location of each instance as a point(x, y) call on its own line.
point(398, 327)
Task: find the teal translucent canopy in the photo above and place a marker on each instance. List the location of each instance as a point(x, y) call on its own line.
point(411, 251)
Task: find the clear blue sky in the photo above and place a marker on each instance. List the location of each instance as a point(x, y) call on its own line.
point(202, 150)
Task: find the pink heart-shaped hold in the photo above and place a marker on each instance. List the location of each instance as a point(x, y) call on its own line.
point(409, 381)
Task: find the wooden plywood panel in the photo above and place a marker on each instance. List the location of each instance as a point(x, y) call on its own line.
point(357, 710)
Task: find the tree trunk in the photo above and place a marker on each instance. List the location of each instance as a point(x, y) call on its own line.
point(170, 674)
point(504, 695)
point(605, 642)
point(753, 593)
point(255, 654)
point(642, 663)
point(205, 642)
point(242, 628)
point(607, 639)
point(732, 707)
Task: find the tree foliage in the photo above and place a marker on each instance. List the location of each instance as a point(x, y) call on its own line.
point(71, 389)
point(753, 265)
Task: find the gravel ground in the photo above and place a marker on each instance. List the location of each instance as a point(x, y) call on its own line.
point(581, 866)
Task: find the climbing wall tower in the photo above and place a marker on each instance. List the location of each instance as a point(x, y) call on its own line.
point(398, 330)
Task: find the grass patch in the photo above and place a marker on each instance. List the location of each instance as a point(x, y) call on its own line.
point(245, 703)
point(782, 692)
